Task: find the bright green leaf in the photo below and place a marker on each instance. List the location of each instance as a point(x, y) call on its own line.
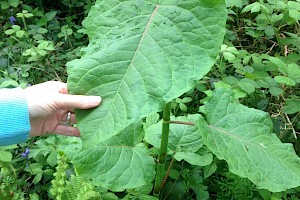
point(9, 31)
point(20, 33)
point(279, 63)
point(41, 30)
point(275, 91)
point(5, 156)
point(228, 56)
point(294, 72)
point(285, 80)
point(140, 59)
point(28, 15)
point(194, 158)
point(34, 168)
point(9, 83)
point(187, 100)
point(183, 107)
point(243, 137)
point(232, 50)
point(16, 27)
point(37, 178)
point(52, 158)
point(247, 85)
point(236, 3)
point(292, 106)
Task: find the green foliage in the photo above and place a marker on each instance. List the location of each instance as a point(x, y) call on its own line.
point(243, 137)
point(32, 48)
point(59, 181)
point(258, 64)
point(140, 70)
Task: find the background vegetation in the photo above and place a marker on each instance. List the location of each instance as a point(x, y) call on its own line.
point(39, 37)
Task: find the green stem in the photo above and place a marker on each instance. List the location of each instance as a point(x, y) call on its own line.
point(24, 23)
point(165, 133)
point(163, 148)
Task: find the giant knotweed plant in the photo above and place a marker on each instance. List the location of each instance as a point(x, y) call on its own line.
point(143, 54)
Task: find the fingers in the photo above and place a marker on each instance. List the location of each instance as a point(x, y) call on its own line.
point(66, 130)
point(76, 101)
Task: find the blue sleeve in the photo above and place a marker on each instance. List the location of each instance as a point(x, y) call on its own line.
point(14, 117)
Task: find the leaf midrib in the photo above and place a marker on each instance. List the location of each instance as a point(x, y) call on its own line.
point(130, 64)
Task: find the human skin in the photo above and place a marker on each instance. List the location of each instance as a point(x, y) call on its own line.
point(49, 104)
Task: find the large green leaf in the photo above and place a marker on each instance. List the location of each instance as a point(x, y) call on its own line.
point(141, 55)
point(118, 163)
point(243, 137)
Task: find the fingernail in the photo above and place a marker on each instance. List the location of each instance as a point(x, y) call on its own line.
point(94, 100)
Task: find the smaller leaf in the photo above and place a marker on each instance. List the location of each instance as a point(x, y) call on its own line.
point(34, 168)
point(14, 3)
point(236, 3)
point(294, 72)
point(187, 100)
point(37, 178)
point(52, 158)
point(209, 170)
point(16, 27)
point(20, 33)
point(292, 106)
point(246, 86)
point(194, 158)
point(28, 15)
point(41, 30)
point(41, 52)
point(9, 31)
point(182, 107)
point(4, 5)
point(228, 56)
point(285, 80)
point(232, 50)
point(280, 64)
point(50, 15)
point(246, 60)
point(5, 156)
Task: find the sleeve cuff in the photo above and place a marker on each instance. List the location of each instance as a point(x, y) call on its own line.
point(14, 117)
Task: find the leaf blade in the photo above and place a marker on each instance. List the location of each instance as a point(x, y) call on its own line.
point(133, 65)
point(243, 137)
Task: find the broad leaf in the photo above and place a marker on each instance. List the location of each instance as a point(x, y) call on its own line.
point(141, 55)
point(118, 163)
point(243, 137)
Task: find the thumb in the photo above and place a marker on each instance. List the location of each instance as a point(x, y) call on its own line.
point(76, 101)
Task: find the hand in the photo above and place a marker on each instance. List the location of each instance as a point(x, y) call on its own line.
point(49, 104)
